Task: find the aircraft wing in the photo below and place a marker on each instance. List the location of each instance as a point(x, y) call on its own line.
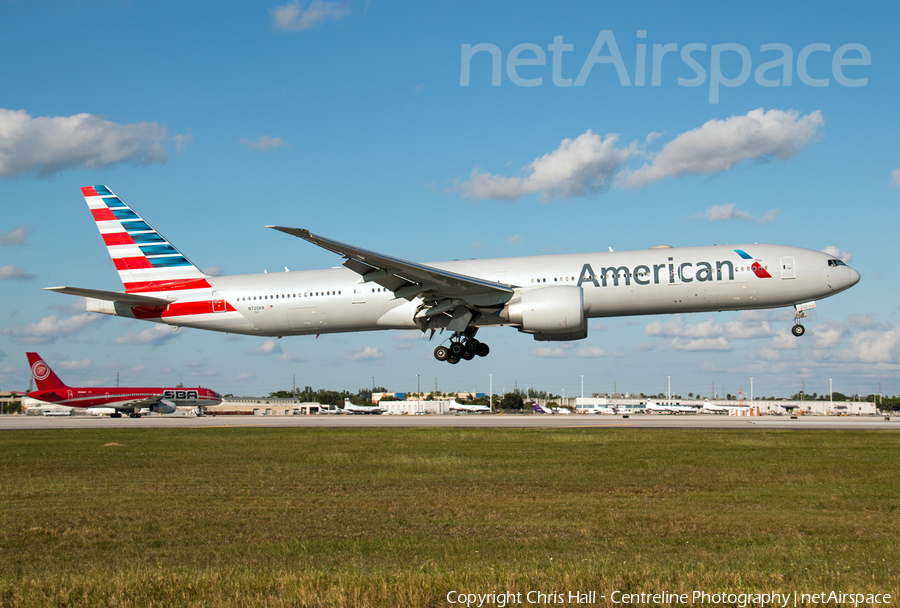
point(442, 289)
point(112, 296)
point(139, 403)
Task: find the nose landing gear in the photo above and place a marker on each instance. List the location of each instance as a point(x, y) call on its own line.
point(800, 313)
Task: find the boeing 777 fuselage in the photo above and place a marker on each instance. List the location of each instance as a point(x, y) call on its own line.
point(550, 297)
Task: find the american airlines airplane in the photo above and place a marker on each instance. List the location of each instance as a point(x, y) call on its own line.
point(550, 297)
point(115, 400)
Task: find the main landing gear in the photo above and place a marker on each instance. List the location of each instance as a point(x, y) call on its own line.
point(461, 347)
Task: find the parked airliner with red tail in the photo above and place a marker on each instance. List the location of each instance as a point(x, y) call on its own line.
point(550, 297)
point(115, 400)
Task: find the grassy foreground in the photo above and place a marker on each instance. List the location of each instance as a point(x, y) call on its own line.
point(400, 517)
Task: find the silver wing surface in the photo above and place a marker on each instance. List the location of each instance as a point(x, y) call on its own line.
point(442, 292)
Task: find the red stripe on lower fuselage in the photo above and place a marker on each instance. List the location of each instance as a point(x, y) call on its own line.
point(177, 309)
point(179, 285)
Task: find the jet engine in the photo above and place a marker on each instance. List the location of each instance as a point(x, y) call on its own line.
point(549, 313)
point(163, 407)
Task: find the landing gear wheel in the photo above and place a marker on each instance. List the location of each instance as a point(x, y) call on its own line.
point(468, 354)
point(798, 330)
point(116, 415)
point(441, 352)
point(456, 349)
point(452, 359)
point(482, 349)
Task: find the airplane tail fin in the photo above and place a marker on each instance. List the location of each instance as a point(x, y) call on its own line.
point(145, 260)
point(44, 377)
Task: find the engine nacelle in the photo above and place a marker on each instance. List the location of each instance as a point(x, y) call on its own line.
point(163, 407)
point(549, 313)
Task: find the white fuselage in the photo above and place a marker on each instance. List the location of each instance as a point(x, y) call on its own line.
point(642, 282)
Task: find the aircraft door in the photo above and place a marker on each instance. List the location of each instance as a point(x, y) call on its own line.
point(359, 295)
point(218, 302)
point(787, 268)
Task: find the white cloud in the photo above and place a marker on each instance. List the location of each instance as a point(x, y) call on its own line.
point(547, 352)
point(702, 344)
point(515, 241)
point(12, 272)
point(289, 357)
point(182, 141)
point(271, 347)
point(366, 353)
point(828, 335)
point(71, 307)
point(82, 364)
point(590, 163)
point(745, 327)
point(291, 17)
point(837, 253)
point(579, 167)
point(710, 335)
point(729, 211)
point(591, 352)
point(268, 347)
point(874, 346)
point(405, 340)
point(15, 236)
point(50, 328)
point(895, 178)
point(709, 366)
point(154, 336)
point(264, 143)
point(50, 144)
point(720, 144)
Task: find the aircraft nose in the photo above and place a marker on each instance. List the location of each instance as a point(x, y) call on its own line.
point(854, 277)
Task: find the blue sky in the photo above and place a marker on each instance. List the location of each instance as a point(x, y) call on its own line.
point(350, 119)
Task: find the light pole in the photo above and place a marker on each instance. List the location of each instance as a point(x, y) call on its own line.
point(491, 392)
point(418, 395)
point(582, 386)
point(751, 390)
point(831, 393)
point(669, 390)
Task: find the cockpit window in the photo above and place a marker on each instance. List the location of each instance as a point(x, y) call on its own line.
point(835, 263)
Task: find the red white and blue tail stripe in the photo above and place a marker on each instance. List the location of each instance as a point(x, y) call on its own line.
point(146, 261)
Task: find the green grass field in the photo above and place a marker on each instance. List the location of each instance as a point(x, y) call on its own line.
point(400, 517)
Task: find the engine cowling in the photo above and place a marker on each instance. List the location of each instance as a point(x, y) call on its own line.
point(163, 407)
point(549, 313)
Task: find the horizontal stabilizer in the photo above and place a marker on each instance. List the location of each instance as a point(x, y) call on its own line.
point(112, 296)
